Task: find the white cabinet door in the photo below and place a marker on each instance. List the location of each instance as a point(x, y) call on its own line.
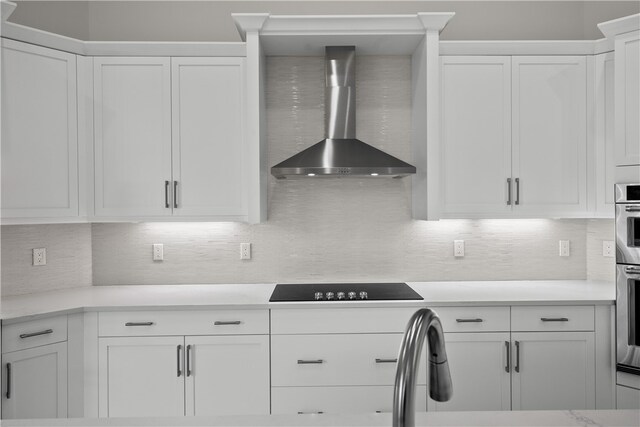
point(553, 370)
point(39, 132)
point(476, 135)
point(208, 144)
point(549, 135)
point(227, 375)
point(141, 376)
point(627, 82)
point(34, 382)
point(132, 125)
point(604, 134)
point(480, 372)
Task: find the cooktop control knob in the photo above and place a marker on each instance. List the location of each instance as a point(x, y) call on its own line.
point(319, 296)
point(340, 295)
point(330, 296)
point(363, 295)
point(352, 295)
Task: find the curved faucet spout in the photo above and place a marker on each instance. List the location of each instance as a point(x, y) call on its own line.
point(425, 323)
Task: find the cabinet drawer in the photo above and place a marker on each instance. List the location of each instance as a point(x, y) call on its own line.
point(337, 360)
point(151, 323)
point(34, 333)
point(552, 318)
point(474, 319)
point(340, 320)
point(338, 400)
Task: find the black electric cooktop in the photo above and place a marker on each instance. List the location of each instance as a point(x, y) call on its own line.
point(343, 292)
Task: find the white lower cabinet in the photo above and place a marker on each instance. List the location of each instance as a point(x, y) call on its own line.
point(156, 375)
point(34, 382)
point(553, 370)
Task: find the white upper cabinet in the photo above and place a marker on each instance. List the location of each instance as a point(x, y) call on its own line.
point(39, 133)
point(514, 136)
point(627, 107)
point(476, 134)
point(209, 161)
point(604, 134)
point(132, 111)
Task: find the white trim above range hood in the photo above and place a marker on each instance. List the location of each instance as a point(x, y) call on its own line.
point(417, 35)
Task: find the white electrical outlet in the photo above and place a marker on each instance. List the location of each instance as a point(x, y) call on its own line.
point(40, 256)
point(458, 248)
point(608, 248)
point(565, 248)
point(158, 252)
point(245, 250)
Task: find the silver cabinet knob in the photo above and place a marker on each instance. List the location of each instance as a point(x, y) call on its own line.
point(330, 295)
point(319, 296)
point(352, 295)
point(363, 295)
point(340, 295)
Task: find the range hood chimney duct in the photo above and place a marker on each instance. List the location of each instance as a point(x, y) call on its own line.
point(340, 153)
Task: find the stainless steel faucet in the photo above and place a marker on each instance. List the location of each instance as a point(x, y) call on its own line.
point(425, 323)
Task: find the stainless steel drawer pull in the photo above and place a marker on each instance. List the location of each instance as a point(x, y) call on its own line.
point(507, 346)
point(35, 334)
point(138, 324)
point(632, 270)
point(508, 191)
point(517, 191)
point(310, 362)
point(386, 360)
point(8, 381)
point(554, 319)
point(469, 320)
point(632, 208)
point(312, 413)
point(166, 194)
point(517, 367)
point(175, 194)
point(178, 359)
point(188, 360)
point(227, 323)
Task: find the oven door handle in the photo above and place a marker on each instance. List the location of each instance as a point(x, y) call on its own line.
point(632, 270)
point(632, 208)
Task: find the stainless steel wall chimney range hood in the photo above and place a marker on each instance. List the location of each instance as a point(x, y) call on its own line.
point(340, 153)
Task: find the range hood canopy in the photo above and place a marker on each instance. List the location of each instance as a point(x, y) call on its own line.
point(340, 153)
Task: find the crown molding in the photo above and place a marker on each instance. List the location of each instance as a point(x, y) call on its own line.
point(6, 8)
point(626, 24)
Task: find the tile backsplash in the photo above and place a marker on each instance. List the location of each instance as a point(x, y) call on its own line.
point(319, 230)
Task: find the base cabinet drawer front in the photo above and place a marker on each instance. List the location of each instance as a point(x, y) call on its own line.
point(553, 370)
point(474, 319)
point(227, 375)
point(480, 372)
point(552, 318)
point(339, 400)
point(347, 359)
point(33, 333)
point(627, 397)
point(340, 320)
point(34, 382)
point(141, 376)
point(154, 323)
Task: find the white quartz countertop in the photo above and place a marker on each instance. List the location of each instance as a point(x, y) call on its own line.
point(256, 296)
point(592, 418)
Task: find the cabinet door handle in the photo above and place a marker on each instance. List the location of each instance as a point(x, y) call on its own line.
point(517, 367)
point(175, 194)
point(35, 334)
point(478, 320)
point(508, 191)
point(311, 412)
point(386, 360)
point(507, 347)
point(517, 191)
point(138, 324)
point(226, 323)
point(166, 194)
point(8, 381)
point(188, 360)
point(178, 359)
point(554, 319)
point(310, 362)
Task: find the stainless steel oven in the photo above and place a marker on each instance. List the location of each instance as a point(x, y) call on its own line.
point(628, 277)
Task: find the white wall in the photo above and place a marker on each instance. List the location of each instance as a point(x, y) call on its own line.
point(211, 20)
